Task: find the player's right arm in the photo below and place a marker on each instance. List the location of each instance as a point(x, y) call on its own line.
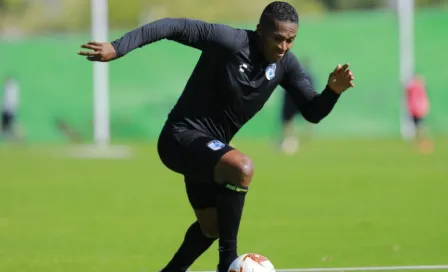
point(194, 33)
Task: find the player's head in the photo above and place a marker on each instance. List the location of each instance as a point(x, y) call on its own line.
point(277, 29)
point(9, 76)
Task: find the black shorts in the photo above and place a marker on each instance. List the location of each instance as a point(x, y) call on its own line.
point(289, 108)
point(193, 154)
point(7, 121)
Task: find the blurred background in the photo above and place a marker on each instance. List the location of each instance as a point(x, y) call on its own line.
point(40, 39)
point(355, 190)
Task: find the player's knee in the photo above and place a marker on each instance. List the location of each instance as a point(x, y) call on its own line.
point(245, 172)
point(235, 168)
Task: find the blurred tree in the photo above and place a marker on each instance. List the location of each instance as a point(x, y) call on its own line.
point(422, 3)
point(47, 15)
point(124, 14)
point(223, 11)
point(369, 4)
point(350, 4)
point(15, 5)
point(365, 4)
point(330, 4)
point(64, 15)
point(68, 15)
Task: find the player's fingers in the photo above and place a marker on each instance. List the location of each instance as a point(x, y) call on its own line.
point(83, 53)
point(337, 68)
point(93, 58)
point(350, 75)
point(343, 69)
point(89, 53)
point(91, 46)
point(94, 43)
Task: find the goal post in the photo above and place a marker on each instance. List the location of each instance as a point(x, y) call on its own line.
point(405, 14)
point(99, 32)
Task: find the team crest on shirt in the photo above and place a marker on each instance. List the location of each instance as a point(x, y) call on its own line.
point(215, 145)
point(270, 71)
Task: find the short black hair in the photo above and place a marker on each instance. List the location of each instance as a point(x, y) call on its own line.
point(280, 11)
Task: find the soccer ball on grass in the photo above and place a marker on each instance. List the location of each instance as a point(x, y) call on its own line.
point(251, 262)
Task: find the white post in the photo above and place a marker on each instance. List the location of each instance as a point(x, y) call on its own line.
point(405, 11)
point(100, 75)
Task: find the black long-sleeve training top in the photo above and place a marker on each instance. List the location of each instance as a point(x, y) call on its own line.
point(231, 81)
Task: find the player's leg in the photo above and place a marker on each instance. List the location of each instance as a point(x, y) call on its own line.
point(424, 143)
point(202, 197)
point(3, 122)
point(211, 160)
point(306, 127)
point(289, 143)
point(7, 123)
point(204, 160)
point(231, 170)
point(233, 173)
point(203, 232)
point(417, 129)
point(189, 154)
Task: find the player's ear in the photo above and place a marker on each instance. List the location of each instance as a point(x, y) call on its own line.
point(259, 29)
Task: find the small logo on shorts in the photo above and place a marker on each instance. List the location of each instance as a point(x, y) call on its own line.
point(215, 145)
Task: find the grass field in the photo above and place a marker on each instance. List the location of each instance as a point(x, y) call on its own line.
point(335, 204)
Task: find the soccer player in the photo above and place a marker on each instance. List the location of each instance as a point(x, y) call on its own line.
point(235, 75)
point(418, 108)
point(288, 114)
point(11, 95)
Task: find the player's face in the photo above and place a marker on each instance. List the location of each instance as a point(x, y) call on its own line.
point(277, 39)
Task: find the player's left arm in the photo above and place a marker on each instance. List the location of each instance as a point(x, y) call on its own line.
point(315, 106)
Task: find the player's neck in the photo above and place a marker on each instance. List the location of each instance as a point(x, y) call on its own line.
point(259, 47)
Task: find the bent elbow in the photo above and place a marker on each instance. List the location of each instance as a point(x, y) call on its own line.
point(312, 118)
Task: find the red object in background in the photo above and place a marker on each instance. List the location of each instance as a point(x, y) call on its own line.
point(417, 99)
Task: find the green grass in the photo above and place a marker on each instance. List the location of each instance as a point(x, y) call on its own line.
point(345, 203)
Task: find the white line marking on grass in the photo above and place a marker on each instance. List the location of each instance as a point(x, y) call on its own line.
point(372, 268)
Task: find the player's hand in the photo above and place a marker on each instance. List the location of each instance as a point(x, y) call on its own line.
point(341, 79)
point(99, 51)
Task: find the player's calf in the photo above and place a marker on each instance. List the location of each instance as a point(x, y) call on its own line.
point(208, 221)
point(195, 243)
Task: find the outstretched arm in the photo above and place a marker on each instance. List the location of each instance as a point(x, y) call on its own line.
point(314, 106)
point(194, 33)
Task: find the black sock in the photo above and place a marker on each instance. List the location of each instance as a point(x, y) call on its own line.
point(195, 243)
point(229, 204)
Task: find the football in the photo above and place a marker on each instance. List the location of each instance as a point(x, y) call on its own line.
point(251, 262)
